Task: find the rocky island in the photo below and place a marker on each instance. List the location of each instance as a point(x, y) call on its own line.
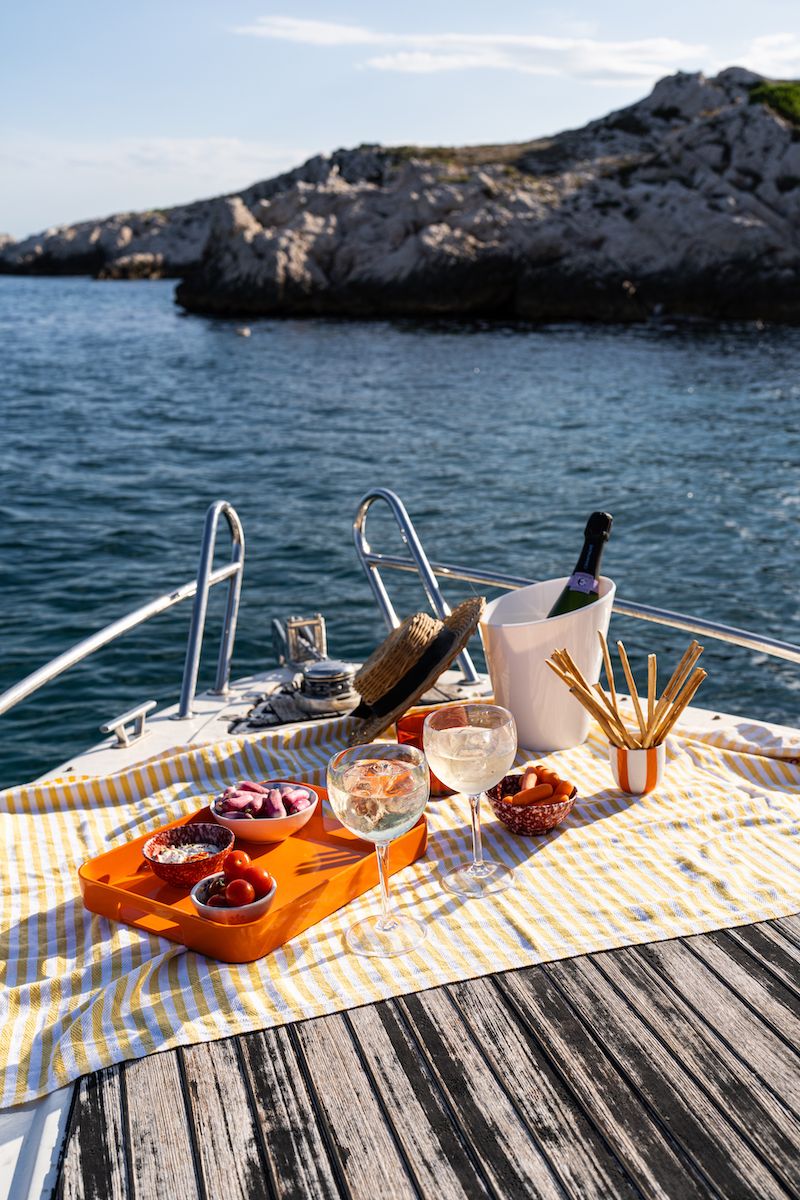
point(687, 202)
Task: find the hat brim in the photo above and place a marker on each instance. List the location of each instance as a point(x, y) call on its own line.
point(367, 729)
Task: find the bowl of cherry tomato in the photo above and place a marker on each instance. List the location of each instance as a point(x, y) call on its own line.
point(241, 892)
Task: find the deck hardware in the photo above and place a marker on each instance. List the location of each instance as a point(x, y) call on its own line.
point(300, 640)
point(327, 686)
point(119, 725)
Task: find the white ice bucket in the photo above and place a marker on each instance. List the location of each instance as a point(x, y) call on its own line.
point(518, 637)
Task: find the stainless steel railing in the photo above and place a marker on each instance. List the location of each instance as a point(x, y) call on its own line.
point(372, 563)
point(418, 562)
point(204, 584)
point(207, 578)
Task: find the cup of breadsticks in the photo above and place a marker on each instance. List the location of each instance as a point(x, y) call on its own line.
point(636, 751)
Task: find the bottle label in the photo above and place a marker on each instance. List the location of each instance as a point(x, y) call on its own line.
point(581, 581)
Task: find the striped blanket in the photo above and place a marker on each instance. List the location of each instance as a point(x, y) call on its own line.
point(715, 846)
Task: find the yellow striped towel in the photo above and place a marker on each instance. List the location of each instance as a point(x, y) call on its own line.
point(715, 846)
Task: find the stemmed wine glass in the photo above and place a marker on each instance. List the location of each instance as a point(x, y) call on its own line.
point(378, 793)
point(471, 747)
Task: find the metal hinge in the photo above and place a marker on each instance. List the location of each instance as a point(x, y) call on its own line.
point(119, 725)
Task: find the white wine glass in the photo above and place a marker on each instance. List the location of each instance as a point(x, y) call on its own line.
point(471, 747)
point(379, 792)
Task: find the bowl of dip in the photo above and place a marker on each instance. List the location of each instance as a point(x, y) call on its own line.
point(185, 854)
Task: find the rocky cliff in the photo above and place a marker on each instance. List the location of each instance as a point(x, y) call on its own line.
point(686, 202)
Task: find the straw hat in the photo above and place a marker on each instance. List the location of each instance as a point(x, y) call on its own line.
point(410, 661)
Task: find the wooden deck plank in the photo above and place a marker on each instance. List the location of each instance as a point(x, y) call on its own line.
point(293, 1145)
point(576, 1151)
point(771, 947)
point(512, 1160)
point(642, 1144)
point(94, 1166)
point(665, 1071)
point(760, 1118)
point(718, 1152)
point(364, 1143)
point(158, 1131)
point(789, 927)
point(752, 981)
point(764, 1051)
point(225, 1133)
point(416, 1108)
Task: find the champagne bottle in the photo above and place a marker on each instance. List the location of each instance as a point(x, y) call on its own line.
point(582, 585)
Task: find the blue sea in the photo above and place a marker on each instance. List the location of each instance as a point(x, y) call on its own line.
point(121, 419)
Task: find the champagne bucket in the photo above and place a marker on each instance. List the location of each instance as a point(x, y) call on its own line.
point(518, 639)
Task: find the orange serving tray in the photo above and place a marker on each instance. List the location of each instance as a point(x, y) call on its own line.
point(318, 870)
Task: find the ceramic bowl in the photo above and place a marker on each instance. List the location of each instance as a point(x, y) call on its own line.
point(187, 874)
point(230, 916)
point(533, 818)
point(269, 829)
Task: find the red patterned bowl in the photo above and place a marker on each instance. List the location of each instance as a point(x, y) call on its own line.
point(187, 874)
point(533, 818)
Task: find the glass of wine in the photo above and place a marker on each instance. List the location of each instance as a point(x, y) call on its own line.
point(378, 792)
point(471, 747)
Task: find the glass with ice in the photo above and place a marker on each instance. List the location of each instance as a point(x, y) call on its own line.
point(471, 747)
point(379, 792)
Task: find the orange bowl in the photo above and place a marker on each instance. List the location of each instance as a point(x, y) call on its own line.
point(187, 874)
point(533, 818)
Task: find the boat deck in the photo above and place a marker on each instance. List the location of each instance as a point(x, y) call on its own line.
point(665, 1070)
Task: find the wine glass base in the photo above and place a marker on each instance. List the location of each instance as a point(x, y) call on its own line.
point(479, 879)
point(378, 938)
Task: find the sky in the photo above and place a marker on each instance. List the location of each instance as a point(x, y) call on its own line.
point(107, 108)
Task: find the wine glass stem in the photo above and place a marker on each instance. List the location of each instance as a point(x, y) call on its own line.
point(477, 844)
point(382, 854)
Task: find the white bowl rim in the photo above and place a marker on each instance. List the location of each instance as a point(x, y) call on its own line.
point(221, 875)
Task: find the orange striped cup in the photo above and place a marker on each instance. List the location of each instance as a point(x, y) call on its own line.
point(637, 771)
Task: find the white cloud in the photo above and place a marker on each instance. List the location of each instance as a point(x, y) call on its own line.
point(637, 61)
point(424, 62)
point(581, 55)
point(311, 33)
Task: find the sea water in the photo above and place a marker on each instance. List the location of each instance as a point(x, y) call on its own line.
point(121, 420)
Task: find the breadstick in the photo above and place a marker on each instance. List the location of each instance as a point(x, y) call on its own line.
point(651, 689)
point(576, 671)
point(679, 676)
point(626, 666)
point(608, 666)
point(595, 711)
point(628, 738)
point(585, 698)
point(681, 702)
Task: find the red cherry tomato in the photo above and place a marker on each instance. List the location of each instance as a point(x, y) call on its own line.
point(235, 864)
point(259, 879)
point(239, 892)
point(217, 901)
